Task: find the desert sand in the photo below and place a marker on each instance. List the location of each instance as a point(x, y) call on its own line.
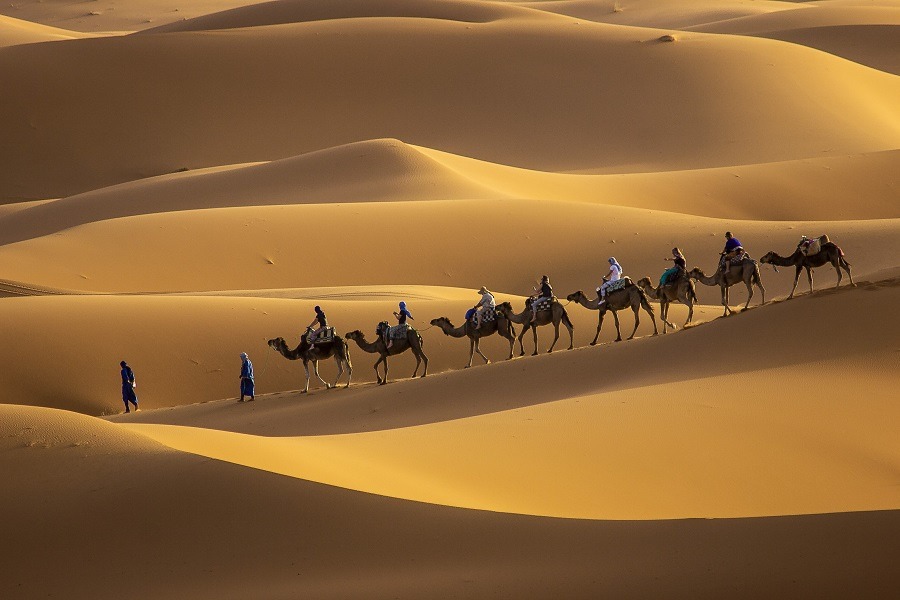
point(181, 182)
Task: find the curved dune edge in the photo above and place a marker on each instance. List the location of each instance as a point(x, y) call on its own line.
point(631, 456)
point(389, 170)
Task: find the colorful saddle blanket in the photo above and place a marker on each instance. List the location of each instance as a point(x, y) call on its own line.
point(813, 246)
point(739, 258)
point(487, 314)
point(617, 285)
point(326, 336)
point(397, 332)
point(542, 304)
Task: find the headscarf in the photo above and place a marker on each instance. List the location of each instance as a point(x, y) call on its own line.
point(244, 355)
point(403, 305)
point(614, 262)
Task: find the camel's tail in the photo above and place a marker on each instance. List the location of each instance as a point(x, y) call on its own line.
point(566, 320)
point(692, 293)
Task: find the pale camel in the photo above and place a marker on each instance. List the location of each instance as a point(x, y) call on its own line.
point(682, 290)
point(413, 341)
point(556, 315)
point(336, 348)
point(499, 325)
point(747, 271)
point(829, 254)
point(630, 296)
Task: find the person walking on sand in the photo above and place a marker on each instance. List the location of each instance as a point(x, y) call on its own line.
point(247, 383)
point(128, 385)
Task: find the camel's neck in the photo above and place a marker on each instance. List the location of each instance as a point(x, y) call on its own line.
point(519, 318)
point(786, 261)
point(452, 331)
point(707, 280)
point(652, 292)
point(366, 346)
point(589, 304)
point(290, 354)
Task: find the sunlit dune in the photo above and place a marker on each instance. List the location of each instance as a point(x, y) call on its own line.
point(184, 182)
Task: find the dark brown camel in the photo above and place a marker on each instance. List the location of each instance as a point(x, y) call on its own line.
point(412, 341)
point(336, 348)
point(682, 290)
point(630, 296)
point(499, 325)
point(747, 271)
point(829, 254)
point(556, 315)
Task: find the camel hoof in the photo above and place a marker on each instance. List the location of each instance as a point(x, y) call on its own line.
point(593, 343)
point(467, 366)
point(618, 340)
point(535, 353)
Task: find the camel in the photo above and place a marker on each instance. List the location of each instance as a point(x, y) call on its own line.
point(747, 271)
point(629, 296)
point(499, 325)
point(682, 291)
point(829, 254)
point(413, 341)
point(555, 315)
point(337, 348)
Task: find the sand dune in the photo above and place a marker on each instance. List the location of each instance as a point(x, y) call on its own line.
point(16, 31)
point(207, 529)
point(667, 423)
point(180, 195)
point(389, 170)
point(431, 243)
point(735, 97)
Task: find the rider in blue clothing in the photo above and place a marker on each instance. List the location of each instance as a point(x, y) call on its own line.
point(401, 315)
point(732, 248)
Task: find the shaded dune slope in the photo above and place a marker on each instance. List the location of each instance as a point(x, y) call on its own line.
point(389, 170)
point(326, 542)
point(250, 78)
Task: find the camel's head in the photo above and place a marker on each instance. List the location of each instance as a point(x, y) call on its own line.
point(768, 258)
point(356, 334)
point(696, 273)
point(574, 297)
point(504, 308)
point(276, 343)
point(644, 282)
point(440, 321)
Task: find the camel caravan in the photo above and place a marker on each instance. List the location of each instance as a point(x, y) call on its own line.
point(617, 292)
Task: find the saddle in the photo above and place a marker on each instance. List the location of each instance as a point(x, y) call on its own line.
point(813, 246)
point(325, 336)
point(487, 314)
point(388, 332)
point(541, 304)
point(619, 284)
point(738, 258)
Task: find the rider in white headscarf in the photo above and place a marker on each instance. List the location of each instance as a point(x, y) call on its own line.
point(615, 273)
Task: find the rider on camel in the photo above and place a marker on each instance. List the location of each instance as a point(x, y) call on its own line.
point(546, 292)
point(615, 274)
point(732, 249)
point(322, 322)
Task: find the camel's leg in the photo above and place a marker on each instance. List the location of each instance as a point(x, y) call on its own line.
point(690, 305)
point(663, 314)
point(599, 325)
point(796, 281)
point(646, 306)
point(521, 335)
point(480, 353)
point(571, 328)
point(534, 335)
point(846, 266)
point(555, 337)
point(616, 319)
point(810, 278)
point(637, 320)
point(471, 352)
point(511, 337)
point(381, 359)
point(839, 274)
point(340, 368)
point(319, 377)
point(749, 284)
point(725, 299)
point(420, 356)
point(306, 368)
